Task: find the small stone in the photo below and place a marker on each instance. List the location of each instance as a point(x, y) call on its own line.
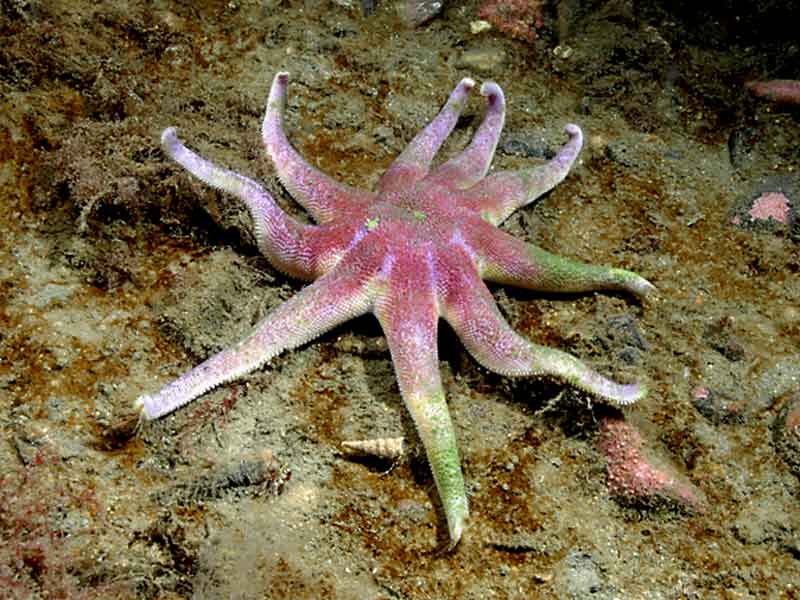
point(717, 407)
point(484, 60)
point(415, 12)
point(479, 26)
point(562, 52)
point(741, 142)
point(526, 146)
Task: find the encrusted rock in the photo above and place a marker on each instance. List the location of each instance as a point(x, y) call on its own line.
point(636, 477)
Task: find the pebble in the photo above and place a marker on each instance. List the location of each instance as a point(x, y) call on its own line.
point(526, 146)
point(415, 12)
point(484, 60)
point(717, 407)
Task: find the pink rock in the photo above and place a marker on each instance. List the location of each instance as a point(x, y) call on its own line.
point(416, 12)
point(770, 205)
point(634, 477)
point(785, 91)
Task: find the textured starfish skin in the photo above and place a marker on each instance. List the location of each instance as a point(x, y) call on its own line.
point(411, 253)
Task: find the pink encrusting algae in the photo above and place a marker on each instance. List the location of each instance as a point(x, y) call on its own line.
point(771, 205)
point(634, 478)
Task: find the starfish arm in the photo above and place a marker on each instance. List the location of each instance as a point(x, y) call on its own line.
point(500, 194)
point(470, 309)
point(408, 315)
point(335, 298)
point(469, 167)
point(413, 163)
point(289, 245)
point(321, 195)
point(505, 259)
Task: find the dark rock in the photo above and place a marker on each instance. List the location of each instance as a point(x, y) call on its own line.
point(717, 407)
point(719, 335)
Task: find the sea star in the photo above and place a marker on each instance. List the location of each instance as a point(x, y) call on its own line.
point(411, 253)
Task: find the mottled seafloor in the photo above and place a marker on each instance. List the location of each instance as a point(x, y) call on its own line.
point(118, 271)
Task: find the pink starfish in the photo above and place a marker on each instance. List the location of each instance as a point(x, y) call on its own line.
point(411, 253)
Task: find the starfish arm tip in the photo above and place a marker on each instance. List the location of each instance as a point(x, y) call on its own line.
point(629, 281)
point(154, 407)
point(456, 510)
point(643, 288)
point(490, 88)
point(467, 83)
point(494, 95)
point(169, 140)
point(631, 393)
point(276, 100)
point(620, 394)
point(573, 130)
point(143, 407)
point(455, 537)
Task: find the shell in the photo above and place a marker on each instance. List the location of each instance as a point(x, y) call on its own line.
point(389, 448)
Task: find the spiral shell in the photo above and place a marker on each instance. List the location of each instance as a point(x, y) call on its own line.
point(389, 448)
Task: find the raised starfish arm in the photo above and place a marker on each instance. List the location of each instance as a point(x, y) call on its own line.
point(289, 245)
point(469, 167)
point(408, 315)
point(500, 194)
point(321, 195)
point(502, 258)
point(470, 309)
point(341, 295)
point(414, 162)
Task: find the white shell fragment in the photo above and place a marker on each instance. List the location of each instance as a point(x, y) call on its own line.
point(476, 27)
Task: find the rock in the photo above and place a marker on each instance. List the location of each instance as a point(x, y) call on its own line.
point(415, 12)
point(719, 335)
point(717, 407)
point(636, 477)
point(786, 433)
point(485, 59)
point(769, 206)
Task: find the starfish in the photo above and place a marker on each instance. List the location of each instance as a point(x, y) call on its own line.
point(414, 251)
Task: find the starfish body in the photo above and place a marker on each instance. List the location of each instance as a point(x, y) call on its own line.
point(415, 251)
